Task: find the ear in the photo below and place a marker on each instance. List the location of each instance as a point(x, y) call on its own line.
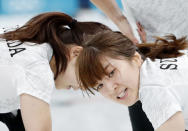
point(75, 51)
point(137, 59)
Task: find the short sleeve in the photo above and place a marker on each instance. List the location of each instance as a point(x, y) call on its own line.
point(37, 80)
point(159, 104)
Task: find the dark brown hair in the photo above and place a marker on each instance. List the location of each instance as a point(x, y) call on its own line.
point(52, 27)
point(114, 45)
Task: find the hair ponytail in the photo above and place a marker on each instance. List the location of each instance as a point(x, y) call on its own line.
point(167, 47)
point(39, 28)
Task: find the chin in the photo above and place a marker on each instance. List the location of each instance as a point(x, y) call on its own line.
point(130, 103)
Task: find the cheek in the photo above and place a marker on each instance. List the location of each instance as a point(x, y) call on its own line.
point(66, 77)
point(106, 94)
point(128, 77)
point(70, 76)
point(68, 72)
point(63, 79)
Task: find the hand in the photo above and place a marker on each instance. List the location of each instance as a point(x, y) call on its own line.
point(126, 29)
point(141, 32)
point(112, 10)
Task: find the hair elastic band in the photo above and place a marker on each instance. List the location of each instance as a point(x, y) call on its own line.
point(72, 24)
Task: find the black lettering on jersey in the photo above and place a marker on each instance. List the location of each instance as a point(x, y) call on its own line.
point(165, 60)
point(14, 47)
point(16, 51)
point(13, 43)
point(168, 64)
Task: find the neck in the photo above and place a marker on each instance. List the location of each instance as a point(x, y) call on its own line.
point(53, 68)
point(53, 64)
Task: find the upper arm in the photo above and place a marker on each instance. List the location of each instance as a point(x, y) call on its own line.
point(35, 89)
point(110, 8)
point(174, 123)
point(35, 113)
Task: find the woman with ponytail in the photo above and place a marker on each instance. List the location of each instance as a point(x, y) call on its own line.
point(34, 59)
point(154, 73)
point(158, 17)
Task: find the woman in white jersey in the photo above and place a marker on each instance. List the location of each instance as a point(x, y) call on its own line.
point(158, 17)
point(34, 59)
point(156, 74)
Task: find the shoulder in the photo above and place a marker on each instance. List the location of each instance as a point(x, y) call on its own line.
point(157, 72)
point(43, 50)
point(150, 73)
point(159, 104)
point(37, 80)
point(49, 50)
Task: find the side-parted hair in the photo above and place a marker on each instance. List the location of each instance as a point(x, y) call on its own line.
point(114, 45)
point(57, 29)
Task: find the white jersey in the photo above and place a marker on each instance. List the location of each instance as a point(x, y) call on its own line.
point(24, 68)
point(160, 17)
point(164, 89)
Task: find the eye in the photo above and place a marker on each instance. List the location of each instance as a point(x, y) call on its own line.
point(111, 73)
point(99, 87)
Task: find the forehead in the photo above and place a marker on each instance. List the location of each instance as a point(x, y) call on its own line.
point(106, 60)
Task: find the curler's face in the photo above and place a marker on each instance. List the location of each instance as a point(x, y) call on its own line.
point(121, 84)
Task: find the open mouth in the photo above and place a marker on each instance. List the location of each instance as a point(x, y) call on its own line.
point(122, 94)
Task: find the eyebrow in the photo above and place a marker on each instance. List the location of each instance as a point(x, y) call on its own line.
point(106, 66)
point(104, 69)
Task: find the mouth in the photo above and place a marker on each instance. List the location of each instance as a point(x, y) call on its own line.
point(122, 95)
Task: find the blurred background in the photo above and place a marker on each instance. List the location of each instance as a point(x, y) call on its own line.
point(71, 110)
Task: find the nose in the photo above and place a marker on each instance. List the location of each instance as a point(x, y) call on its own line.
point(110, 85)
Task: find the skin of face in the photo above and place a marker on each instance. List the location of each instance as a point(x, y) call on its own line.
point(67, 79)
point(122, 83)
